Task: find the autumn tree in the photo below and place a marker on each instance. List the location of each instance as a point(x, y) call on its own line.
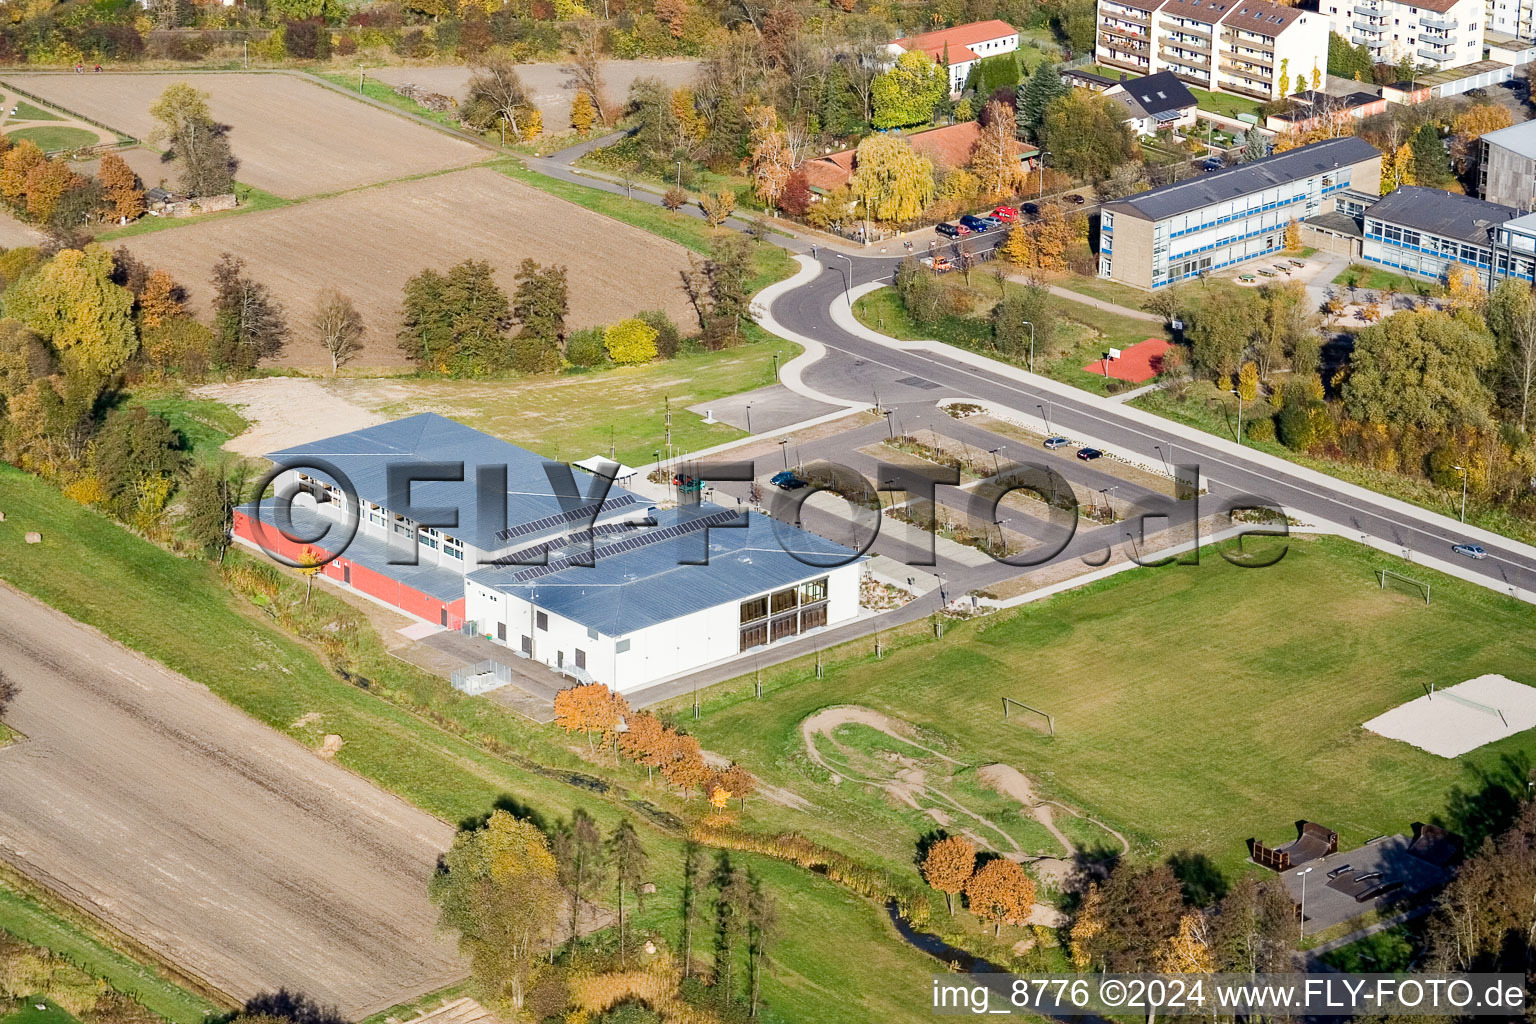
point(540, 300)
point(1188, 951)
point(249, 324)
point(1485, 919)
point(644, 741)
point(994, 155)
point(1000, 893)
point(948, 867)
point(1421, 368)
point(630, 341)
point(1254, 928)
point(498, 888)
point(717, 207)
point(1511, 315)
point(892, 182)
point(338, 325)
point(160, 300)
point(1464, 291)
point(1222, 331)
point(586, 67)
point(771, 160)
point(123, 192)
point(674, 198)
point(629, 861)
point(46, 185)
point(72, 302)
point(589, 708)
point(737, 782)
point(15, 166)
point(907, 93)
point(1086, 135)
point(197, 145)
point(583, 114)
point(496, 96)
point(684, 766)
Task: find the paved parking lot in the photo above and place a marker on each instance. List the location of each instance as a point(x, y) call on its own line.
point(230, 849)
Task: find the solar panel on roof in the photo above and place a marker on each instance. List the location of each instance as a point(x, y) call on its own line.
point(568, 516)
point(628, 544)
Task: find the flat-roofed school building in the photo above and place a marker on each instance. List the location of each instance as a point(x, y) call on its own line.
point(599, 584)
point(1226, 217)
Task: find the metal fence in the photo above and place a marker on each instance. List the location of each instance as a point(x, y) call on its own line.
point(481, 677)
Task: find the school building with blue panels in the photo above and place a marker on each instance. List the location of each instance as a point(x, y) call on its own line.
point(1426, 232)
point(1229, 216)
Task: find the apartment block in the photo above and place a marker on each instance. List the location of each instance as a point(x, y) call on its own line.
point(1437, 33)
point(1183, 230)
point(1252, 47)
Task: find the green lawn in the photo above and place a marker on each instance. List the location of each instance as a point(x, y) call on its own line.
point(39, 925)
point(202, 422)
point(27, 112)
point(30, 1014)
point(1196, 706)
point(1226, 103)
point(1105, 290)
point(1360, 276)
point(85, 565)
point(376, 90)
point(1083, 334)
point(53, 138)
point(576, 415)
point(250, 199)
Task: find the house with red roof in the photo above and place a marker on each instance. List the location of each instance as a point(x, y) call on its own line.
point(962, 46)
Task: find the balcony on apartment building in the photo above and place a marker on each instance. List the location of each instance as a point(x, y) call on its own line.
point(1438, 21)
point(1261, 76)
point(1199, 29)
point(1247, 88)
point(1257, 58)
point(1438, 56)
point(1134, 32)
point(1242, 37)
point(1123, 44)
point(1185, 57)
point(1109, 60)
point(1188, 42)
point(1134, 14)
point(1371, 26)
point(1369, 9)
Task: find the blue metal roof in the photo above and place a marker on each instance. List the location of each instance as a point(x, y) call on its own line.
point(365, 456)
point(644, 585)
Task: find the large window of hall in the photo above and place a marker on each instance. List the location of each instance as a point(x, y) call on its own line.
point(784, 613)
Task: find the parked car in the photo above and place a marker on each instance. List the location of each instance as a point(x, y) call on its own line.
point(941, 264)
point(948, 230)
point(786, 480)
point(975, 223)
point(1075, 199)
point(1470, 550)
point(1030, 210)
point(1056, 442)
point(1211, 164)
point(1006, 214)
point(1089, 454)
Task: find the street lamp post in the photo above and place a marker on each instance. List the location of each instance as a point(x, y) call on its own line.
point(776, 365)
point(784, 448)
point(1031, 327)
point(848, 280)
point(679, 174)
point(1109, 502)
point(1301, 927)
point(1463, 471)
point(749, 417)
point(1043, 154)
point(1239, 395)
point(1046, 411)
point(993, 452)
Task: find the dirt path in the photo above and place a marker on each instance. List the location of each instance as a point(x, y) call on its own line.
point(285, 411)
point(773, 794)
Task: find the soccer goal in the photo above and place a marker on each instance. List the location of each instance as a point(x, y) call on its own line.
point(1050, 719)
point(1383, 575)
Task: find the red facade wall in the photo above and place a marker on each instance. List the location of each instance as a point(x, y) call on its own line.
point(363, 579)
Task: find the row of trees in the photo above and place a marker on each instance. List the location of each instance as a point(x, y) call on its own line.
point(48, 192)
point(998, 891)
point(596, 711)
point(504, 887)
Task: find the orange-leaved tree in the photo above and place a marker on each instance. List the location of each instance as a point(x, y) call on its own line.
point(644, 741)
point(1000, 893)
point(949, 866)
point(590, 708)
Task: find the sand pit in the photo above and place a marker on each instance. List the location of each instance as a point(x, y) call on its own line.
point(286, 411)
point(1456, 719)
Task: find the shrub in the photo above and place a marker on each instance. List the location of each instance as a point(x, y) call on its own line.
point(1260, 429)
point(674, 198)
point(535, 355)
point(668, 338)
point(1296, 427)
point(630, 341)
point(585, 347)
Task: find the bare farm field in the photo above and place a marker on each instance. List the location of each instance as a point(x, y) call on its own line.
point(230, 849)
point(292, 137)
point(368, 243)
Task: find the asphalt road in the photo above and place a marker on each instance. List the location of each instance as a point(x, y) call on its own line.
point(234, 851)
point(857, 367)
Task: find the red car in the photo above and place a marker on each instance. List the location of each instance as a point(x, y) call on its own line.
point(1006, 214)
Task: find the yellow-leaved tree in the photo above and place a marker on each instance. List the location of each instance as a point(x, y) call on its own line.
point(893, 183)
point(995, 154)
point(72, 302)
point(1188, 952)
point(583, 113)
point(630, 341)
point(499, 889)
point(590, 708)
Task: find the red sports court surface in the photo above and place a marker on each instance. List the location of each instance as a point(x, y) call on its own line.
point(1141, 362)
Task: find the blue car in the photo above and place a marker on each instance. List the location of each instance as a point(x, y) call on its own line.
point(975, 223)
point(786, 480)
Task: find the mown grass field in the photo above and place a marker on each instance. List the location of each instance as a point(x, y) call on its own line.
point(53, 138)
point(184, 617)
point(1196, 706)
